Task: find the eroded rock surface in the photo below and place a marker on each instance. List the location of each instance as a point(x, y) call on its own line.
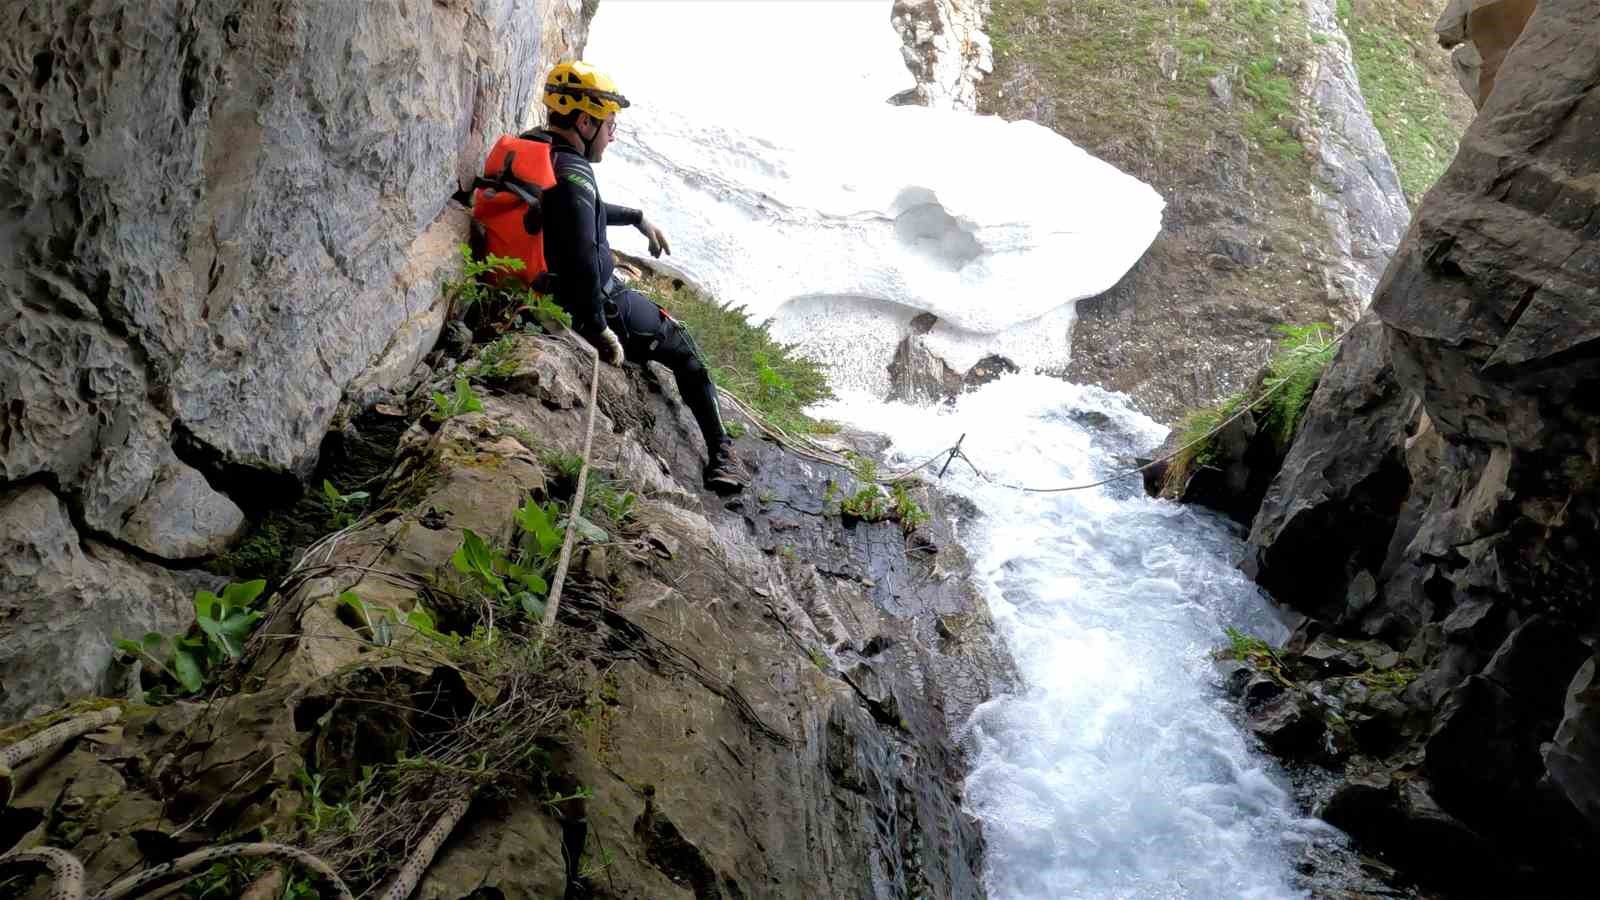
point(1443, 496)
point(224, 214)
point(221, 218)
point(771, 697)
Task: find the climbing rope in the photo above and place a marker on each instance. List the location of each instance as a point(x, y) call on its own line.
point(49, 739)
point(422, 857)
point(576, 508)
point(66, 871)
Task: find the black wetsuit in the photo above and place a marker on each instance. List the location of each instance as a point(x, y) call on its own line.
point(579, 256)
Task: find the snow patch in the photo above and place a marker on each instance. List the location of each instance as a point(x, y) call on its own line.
point(763, 144)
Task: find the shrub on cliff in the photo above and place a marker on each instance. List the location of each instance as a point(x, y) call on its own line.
point(1277, 405)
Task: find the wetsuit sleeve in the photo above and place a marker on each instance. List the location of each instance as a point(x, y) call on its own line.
point(570, 249)
point(623, 215)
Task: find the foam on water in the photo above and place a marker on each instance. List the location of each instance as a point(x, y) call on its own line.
point(1118, 770)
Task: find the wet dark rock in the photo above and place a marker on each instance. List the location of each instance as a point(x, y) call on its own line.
point(1290, 724)
point(1573, 757)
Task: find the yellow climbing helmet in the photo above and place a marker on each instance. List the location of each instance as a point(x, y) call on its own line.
point(578, 85)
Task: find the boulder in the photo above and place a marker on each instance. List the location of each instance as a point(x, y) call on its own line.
point(946, 50)
point(64, 602)
point(1573, 757)
point(1481, 33)
point(1332, 508)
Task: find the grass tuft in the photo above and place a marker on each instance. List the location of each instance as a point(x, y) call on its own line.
point(772, 378)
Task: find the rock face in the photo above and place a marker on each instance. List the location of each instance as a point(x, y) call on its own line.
point(64, 603)
point(946, 50)
point(220, 216)
point(1444, 494)
point(1480, 33)
point(771, 691)
point(1357, 188)
point(226, 213)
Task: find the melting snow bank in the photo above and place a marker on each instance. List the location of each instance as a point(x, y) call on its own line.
point(788, 185)
point(1119, 770)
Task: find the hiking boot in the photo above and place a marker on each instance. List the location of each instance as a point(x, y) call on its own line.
point(724, 475)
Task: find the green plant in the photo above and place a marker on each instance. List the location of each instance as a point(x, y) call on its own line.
point(342, 506)
point(867, 504)
point(545, 309)
point(462, 401)
point(818, 658)
point(495, 361)
point(380, 621)
point(584, 792)
point(318, 815)
point(592, 866)
point(489, 570)
point(519, 583)
point(1302, 356)
point(1255, 651)
point(567, 465)
point(475, 286)
point(770, 377)
point(906, 509)
point(225, 622)
point(1395, 680)
point(1290, 377)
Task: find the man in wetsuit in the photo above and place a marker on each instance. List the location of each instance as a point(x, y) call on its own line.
point(621, 322)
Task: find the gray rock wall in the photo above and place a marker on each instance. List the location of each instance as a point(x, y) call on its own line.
point(1358, 190)
point(220, 217)
point(1467, 533)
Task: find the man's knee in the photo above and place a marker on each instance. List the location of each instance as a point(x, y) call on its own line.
point(676, 348)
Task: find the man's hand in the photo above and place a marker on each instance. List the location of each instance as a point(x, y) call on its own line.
point(607, 345)
point(656, 237)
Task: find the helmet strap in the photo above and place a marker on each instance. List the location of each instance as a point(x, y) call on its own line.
point(588, 142)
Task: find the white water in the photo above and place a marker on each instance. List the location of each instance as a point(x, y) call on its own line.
point(1116, 771)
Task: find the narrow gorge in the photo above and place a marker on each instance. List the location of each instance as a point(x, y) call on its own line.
point(284, 480)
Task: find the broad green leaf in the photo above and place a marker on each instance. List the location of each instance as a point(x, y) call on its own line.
point(243, 593)
point(356, 496)
point(187, 668)
point(331, 493)
point(420, 619)
point(128, 646)
point(460, 561)
point(530, 579)
point(477, 553)
point(205, 605)
point(532, 605)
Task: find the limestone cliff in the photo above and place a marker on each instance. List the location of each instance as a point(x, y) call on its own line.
point(222, 219)
point(740, 699)
point(1437, 515)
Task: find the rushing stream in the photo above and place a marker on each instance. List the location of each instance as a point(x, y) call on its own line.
point(1117, 769)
